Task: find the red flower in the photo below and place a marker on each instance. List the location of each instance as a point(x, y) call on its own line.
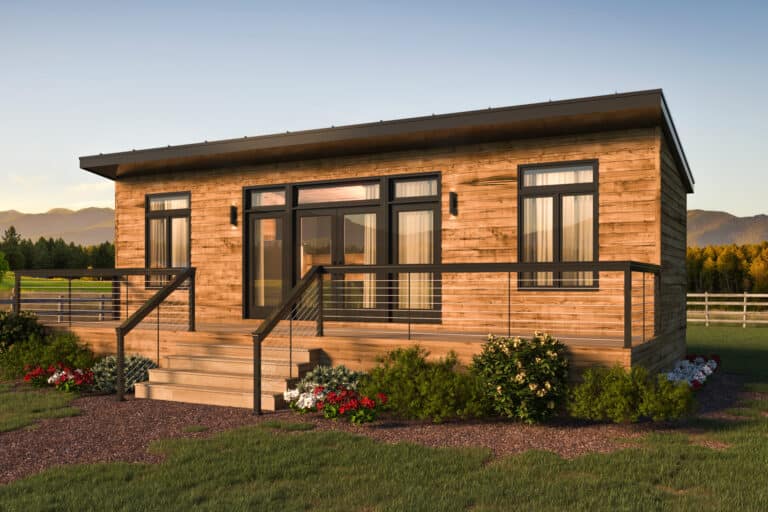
point(382, 398)
point(367, 403)
point(695, 384)
point(319, 406)
point(318, 390)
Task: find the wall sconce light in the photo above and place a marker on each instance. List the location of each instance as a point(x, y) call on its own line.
point(233, 215)
point(453, 203)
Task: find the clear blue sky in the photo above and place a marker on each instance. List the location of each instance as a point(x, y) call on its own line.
point(100, 78)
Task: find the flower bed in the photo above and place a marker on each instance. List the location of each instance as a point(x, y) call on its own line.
point(695, 370)
point(61, 377)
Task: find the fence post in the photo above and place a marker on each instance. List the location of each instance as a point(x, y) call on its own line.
point(17, 293)
point(744, 314)
point(628, 307)
point(706, 309)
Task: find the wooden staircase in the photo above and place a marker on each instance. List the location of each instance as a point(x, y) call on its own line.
point(221, 373)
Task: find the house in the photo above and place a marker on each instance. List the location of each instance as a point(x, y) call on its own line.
point(564, 216)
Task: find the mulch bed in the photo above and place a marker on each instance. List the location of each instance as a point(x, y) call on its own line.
point(109, 431)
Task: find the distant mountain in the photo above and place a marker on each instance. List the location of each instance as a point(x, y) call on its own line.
point(88, 226)
point(718, 228)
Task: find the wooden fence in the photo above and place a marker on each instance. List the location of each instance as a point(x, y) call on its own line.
point(728, 308)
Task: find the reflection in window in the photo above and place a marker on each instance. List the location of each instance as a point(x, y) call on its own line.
point(267, 258)
point(338, 193)
point(360, 249)
point(261, 198)
point(314, 242)
point(577, 214)
point(537, 238)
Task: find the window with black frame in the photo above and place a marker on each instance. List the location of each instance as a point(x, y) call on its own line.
point(558, 222)
point(167, 233)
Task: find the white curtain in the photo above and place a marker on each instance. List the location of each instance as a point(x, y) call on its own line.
point(369, 258)
point(577, 212)
point(180, 242)
point(538, 234)
point(415, 245)
point(417, 188)
point(557, 176)
point(158, 250)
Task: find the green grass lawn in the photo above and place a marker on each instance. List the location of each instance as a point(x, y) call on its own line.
point(278, 467)
point(35, 283)
point(23, 406)
point(744, 351)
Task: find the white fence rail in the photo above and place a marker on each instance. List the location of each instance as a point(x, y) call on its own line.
point(728, 308)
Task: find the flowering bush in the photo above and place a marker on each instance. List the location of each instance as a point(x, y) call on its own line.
point(524, 379)
point(136, 370)
point(304, 399)
point(61, 377)
point(694, 370)
point(336, 403)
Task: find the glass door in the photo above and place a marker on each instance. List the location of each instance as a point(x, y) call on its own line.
point(266, 256)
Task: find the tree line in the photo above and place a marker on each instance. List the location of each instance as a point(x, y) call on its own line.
point(23, 253)
point(728, 268)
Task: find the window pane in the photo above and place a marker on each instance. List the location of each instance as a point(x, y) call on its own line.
point(415, 239)
point(564, 175)
point(338, 193)
point(360, 249)
point(158, 243)
point(314, 242)
point(416, 188)
point(179, 242)
point(262, 198)
point(175, 202)
point(577, 236)
point(537, 238)
point(267, 254)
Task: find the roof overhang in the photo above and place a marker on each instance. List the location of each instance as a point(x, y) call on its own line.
point(583, 115)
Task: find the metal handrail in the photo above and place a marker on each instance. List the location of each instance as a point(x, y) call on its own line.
point(140, 314)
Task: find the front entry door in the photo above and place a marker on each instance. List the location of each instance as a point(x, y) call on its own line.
point(343, 236)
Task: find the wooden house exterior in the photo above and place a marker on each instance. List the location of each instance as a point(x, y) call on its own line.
point(593, 183)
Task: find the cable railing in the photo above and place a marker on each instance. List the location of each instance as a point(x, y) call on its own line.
point(125, 298)
point(596, 303)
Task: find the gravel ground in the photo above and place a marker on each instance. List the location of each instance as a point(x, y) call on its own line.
point(108, 431)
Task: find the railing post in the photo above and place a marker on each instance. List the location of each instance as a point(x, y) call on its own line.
point(509, 304)
point(409, 305)
point(628, 307)
point(320, 304)
point(656, 303)
point(17, 293)
point(706, 309)
point(744, 315)
point(158, 334)
point(115, 299)
point(120, 364)
point(257, 374)
point(192, 300)
point(69, 300)
point(290, 342)
point(101, 307)
point(643, 307)
point(59, 309)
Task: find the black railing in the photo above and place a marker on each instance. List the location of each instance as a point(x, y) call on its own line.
point(100, 296)
point(611, 302)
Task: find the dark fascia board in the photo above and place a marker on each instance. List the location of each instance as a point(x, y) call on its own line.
point(598, 113)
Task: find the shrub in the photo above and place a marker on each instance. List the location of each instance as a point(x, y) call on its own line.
point(59, 348)
point(623, 396)
point(523, 379)
point(105, 372)
point(15, 328)
point(417, 388)
point(349, 404)
point(331, 377)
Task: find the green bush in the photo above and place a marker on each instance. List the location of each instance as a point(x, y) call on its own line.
point(105, 372)
point(421, 389)
point(623, 396)
point(523, 379)
point(58, 347)
point(330, 377)
point(15, 328)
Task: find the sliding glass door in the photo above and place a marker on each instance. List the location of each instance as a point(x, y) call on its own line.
point(266, 262)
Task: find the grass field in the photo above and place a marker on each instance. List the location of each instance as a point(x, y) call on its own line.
point(23, 406)
point(31, 284)
point(278, 467)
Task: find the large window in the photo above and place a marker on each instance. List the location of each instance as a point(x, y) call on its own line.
point(167, 232)
point(558, 222)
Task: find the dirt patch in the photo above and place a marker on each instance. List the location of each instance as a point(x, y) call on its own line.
point(109, 431)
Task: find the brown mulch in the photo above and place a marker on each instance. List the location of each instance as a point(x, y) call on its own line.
point(109, 431)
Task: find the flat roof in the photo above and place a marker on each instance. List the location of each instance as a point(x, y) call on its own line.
point(581, 115)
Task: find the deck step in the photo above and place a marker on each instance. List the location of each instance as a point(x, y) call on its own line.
point(232, 381)
point(298, 355)
point(273, 367)
point(207, 395)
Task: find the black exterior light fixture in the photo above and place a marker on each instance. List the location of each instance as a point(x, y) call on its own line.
point(453, 203)
point(233, 215)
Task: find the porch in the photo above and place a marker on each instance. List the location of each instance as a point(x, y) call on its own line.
point(604, 312)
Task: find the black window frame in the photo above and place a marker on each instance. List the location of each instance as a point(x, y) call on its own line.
point(556, 192)
point(150, 214)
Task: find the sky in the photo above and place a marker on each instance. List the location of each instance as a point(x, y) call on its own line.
point(81, 78)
